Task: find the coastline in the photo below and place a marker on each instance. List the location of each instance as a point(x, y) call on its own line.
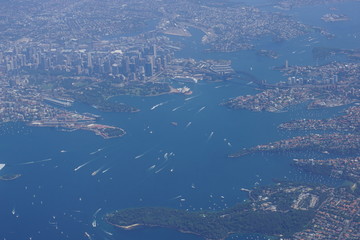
point(137, 225)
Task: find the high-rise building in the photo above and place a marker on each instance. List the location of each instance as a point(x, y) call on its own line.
point(107, 66)
point(89, 60)
point(153, 50)
point(125, 65)
point(115, 69)
point(149, 67)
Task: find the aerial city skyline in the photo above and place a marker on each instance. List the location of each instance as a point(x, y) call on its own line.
point(130, 119)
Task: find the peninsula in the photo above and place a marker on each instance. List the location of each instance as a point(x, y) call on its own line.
point(285, 209)
point(278, 218)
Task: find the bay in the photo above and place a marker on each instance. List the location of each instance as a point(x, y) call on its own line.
point(156, 163)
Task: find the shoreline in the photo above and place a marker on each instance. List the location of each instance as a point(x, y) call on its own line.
point(137, 225)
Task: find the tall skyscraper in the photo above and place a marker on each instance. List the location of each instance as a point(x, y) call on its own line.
point(89, 61)
point(125, 64)
point(153, 50)
point(149, 67)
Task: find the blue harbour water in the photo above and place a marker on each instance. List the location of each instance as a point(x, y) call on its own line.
point(157, 163)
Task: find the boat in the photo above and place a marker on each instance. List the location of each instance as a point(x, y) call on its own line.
point(210, 136)
point(83, 165)
point(108, 233)
point(139, 156)
point(88, 236)
point(174, 109)
point(202, 109)
point(94, 223)
point(96, 172)
point(157, 105)
point(152, 167)
point(99, 149)
point(189, 98)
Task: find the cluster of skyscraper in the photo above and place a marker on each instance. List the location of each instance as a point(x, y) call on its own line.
point(137, 64)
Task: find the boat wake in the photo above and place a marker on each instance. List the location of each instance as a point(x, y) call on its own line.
point(210, 136)
point(139, 156)
point(99, 150)
point(82, 165)
point(201, 109)
point(176, 108)
point(33, 162)
point(157, 105)
point(189, 98)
